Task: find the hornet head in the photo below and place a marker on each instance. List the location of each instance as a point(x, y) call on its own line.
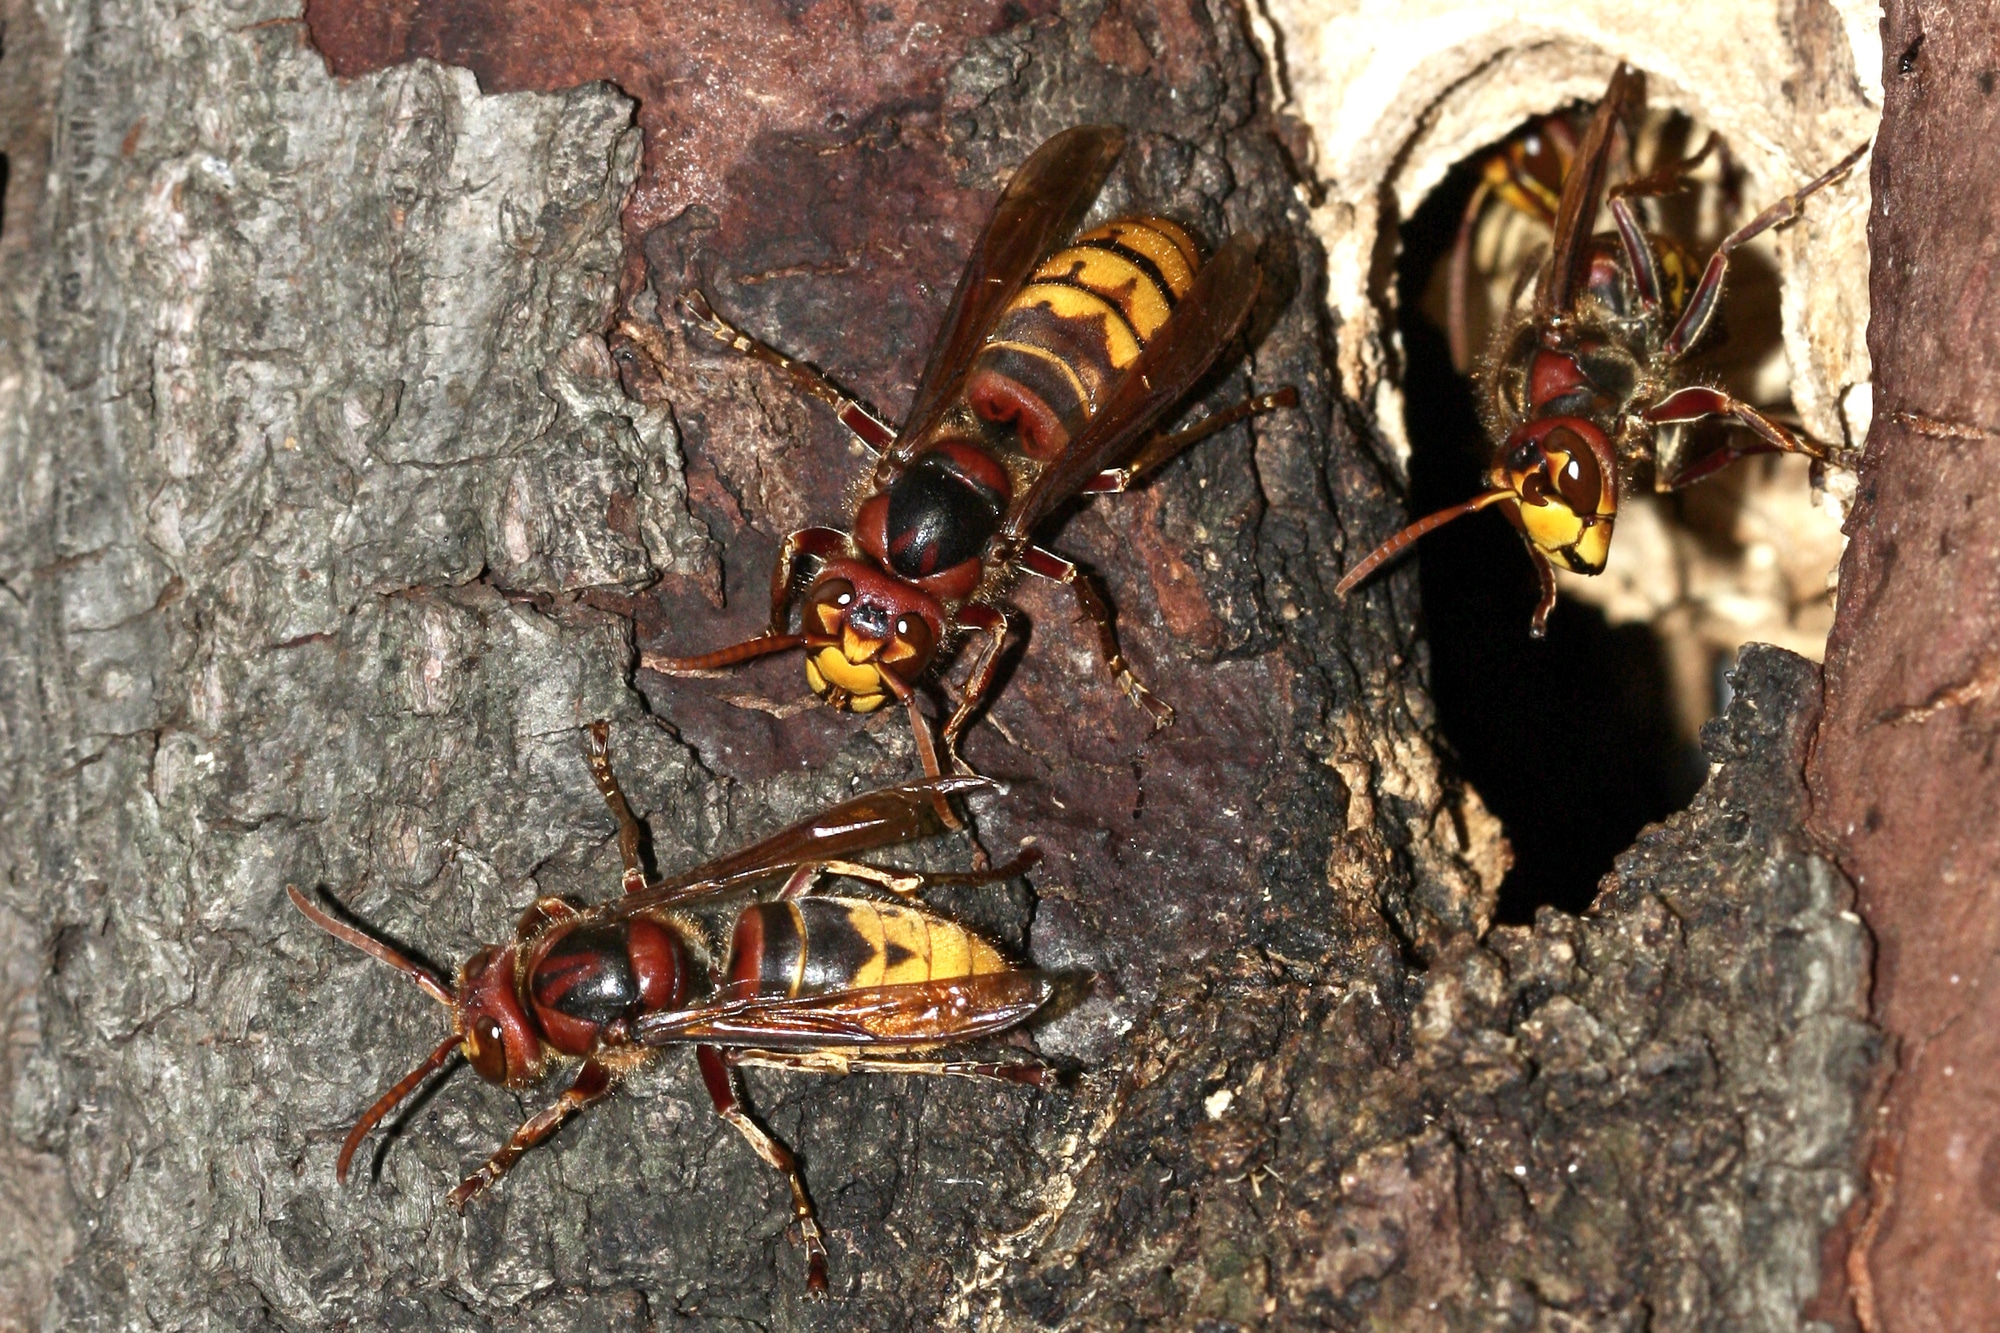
point(488, 1025)
point(869, 637)
point(1563, 475)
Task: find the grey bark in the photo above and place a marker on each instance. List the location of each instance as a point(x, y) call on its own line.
point(310, 444)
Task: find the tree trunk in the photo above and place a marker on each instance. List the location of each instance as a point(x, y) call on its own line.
point(1904, 787)
point(334, 511)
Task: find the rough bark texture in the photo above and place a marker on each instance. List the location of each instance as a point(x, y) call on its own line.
point(1903, 774)
point(329, 520)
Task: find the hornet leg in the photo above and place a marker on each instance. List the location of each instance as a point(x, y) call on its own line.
point(806, 543)
point(1538, 628)
point(1053, 567)
point(631, 837)
point(1162, 448)
point(870, 429)
point(718, 1072)
point(1707, 296)
point(592, 1082)
point(991, 622)
point(1031, 1072)
point(1698, 404)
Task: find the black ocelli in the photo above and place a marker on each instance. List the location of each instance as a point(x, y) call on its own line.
point(1571, 741)
point(868, 619)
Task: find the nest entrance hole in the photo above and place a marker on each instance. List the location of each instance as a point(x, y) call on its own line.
point(1577, 741)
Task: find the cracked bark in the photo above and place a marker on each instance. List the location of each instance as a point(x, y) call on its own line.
point(1902, 776)
point(330, 520)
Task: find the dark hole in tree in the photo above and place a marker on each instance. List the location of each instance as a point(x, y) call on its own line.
point(5, 168)
point(1571, 741)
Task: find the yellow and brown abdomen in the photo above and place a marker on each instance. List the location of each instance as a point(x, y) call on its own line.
point(821, 946)
point(1067, 338)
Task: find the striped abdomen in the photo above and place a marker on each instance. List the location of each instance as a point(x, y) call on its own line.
point(820, 946)
point(1065, 341)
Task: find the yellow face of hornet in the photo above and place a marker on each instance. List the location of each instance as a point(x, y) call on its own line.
point(1567, 494)
point(860, 686)
point(862, 648)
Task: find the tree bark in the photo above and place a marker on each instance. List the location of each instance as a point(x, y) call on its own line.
point(1903, 781)
point(331, 520)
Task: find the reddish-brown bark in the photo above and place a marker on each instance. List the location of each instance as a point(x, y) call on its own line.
point(709, 81)
point(1903, 774)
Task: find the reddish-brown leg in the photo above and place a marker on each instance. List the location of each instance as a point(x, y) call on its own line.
point(870, 429)
point(1459, 280)
point(1639, 256)
point(920, 733)
point(1538, 628)
point(902, 883)
point(927, 755)
point(592, 1082)
point(990, 621)
point(718, 1074)
point(1049, 565)
point(806, 543)
point(1701, 307)
point(597, 750)
point(1700, 403)
point(1668, 177)
point(1161, 448)
point(1030, 1072)
point(799, 883)
point(544, 912)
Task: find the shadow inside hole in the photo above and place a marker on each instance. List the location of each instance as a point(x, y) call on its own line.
point(1572, 741)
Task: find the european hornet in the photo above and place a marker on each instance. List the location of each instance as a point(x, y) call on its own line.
point(1578, 382)
point(812, 982)
point(1056, 362)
